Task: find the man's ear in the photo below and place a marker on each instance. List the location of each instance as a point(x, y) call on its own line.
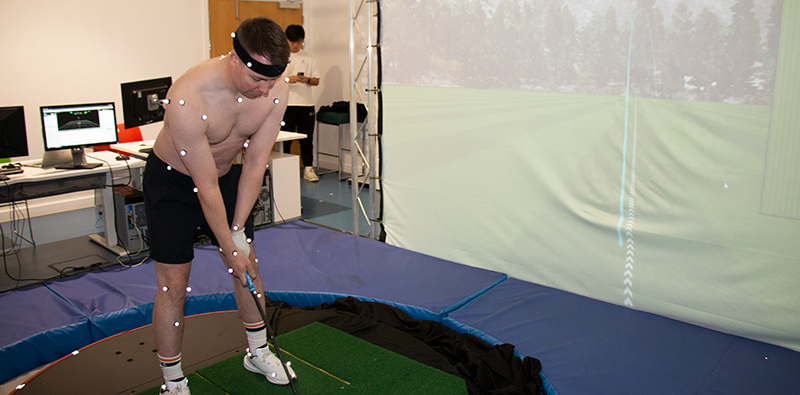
point(232, 58)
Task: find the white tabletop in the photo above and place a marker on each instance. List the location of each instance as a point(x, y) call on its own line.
point(106, 158)
point(134, 147)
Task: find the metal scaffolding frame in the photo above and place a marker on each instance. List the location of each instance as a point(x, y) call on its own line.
point(364, 88)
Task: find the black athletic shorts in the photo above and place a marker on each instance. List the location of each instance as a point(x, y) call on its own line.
point(174, 213)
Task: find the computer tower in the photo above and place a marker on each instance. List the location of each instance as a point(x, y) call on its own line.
point(131, 222)
point(262, 211)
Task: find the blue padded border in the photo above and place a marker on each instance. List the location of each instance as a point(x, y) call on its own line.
point(33, 336)
point(42, 348)
point(303, 264)
point(590, 346)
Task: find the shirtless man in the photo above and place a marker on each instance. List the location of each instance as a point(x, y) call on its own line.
point(189, 182)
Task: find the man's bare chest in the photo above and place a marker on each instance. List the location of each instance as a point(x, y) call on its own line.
point(233, 122)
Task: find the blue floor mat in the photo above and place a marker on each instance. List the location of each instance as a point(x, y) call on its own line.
point(585, 346)
point(591, 347)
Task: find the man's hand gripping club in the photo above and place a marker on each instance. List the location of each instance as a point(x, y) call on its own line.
point(238, 261)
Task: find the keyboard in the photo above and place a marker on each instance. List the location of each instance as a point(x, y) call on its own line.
point(11, 170)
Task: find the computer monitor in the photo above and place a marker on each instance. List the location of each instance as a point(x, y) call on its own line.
point(78, 126)
point(141, 101)
point(13, 134)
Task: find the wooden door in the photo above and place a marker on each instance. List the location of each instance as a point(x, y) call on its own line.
point(222, 19)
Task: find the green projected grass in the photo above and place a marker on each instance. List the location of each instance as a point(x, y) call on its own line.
point(328, 361)
point(529, 183)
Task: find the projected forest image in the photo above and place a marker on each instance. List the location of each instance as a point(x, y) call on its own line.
point(720, 50)
point(610, 148)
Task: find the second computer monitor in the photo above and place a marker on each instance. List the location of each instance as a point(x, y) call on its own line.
point(141, 101)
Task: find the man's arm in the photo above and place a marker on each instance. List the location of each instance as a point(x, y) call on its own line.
point(188, 131)
point(257, 154)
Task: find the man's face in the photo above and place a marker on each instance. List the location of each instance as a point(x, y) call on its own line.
point(296, 46)
point(249, 83)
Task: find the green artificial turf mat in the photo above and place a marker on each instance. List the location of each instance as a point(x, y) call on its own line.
point(328, 361)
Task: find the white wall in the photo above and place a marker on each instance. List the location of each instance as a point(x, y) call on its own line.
point(77, 51)
point(327, 25)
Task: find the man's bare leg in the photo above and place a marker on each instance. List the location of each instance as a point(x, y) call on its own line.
point(244, 300)
point(168, 306)
point(260, 359)
point(168, 319)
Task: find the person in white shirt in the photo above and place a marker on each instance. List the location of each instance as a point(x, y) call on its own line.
point(299, 116)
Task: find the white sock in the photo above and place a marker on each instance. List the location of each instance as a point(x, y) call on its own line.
point(256, 335)
point(171, 369)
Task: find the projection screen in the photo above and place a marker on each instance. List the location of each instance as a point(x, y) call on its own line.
point(643, 153)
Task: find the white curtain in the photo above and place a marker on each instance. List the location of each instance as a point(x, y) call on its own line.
point(642, 153)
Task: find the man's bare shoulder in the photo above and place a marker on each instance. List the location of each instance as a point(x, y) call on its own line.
point(204, 78)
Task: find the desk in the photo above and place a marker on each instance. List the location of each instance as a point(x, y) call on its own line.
point(37, 182)
point(133, 148)
point(284, 172)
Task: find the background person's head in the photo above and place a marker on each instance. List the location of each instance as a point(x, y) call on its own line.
point(296, 36)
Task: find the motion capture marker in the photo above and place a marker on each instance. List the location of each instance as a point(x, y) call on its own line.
point(177, 324)
point(163, 387)
point(256, 260)
point(288, 363)
point(188, 289)
point(76, 352)
point(249, 240)
point(19, 387)
point(204, 117)
point(274, 375)
point(239, 99)
point(249, 64)
point(195, 189)
point(246, 144)
point(258, 296)
point(181, 102)
point(283, 123)
point(233, 34)
point(220, 249)
point(165, 288)
point(183, 152)
point(276, 101)
point(286, 79)
point(230, 270)
point(165, 101)
point(235, 228)
point(169, 167)
point(235, 253)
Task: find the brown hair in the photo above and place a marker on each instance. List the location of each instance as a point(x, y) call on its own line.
point(262, 36)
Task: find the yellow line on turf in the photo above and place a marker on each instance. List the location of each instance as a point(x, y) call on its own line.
point(209, 382)
point(309, 364)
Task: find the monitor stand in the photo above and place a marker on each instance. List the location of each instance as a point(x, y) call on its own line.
point(78, 161)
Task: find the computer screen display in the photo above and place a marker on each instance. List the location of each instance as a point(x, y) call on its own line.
point(141, 101)
point(13, 134)
point(78, 125)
